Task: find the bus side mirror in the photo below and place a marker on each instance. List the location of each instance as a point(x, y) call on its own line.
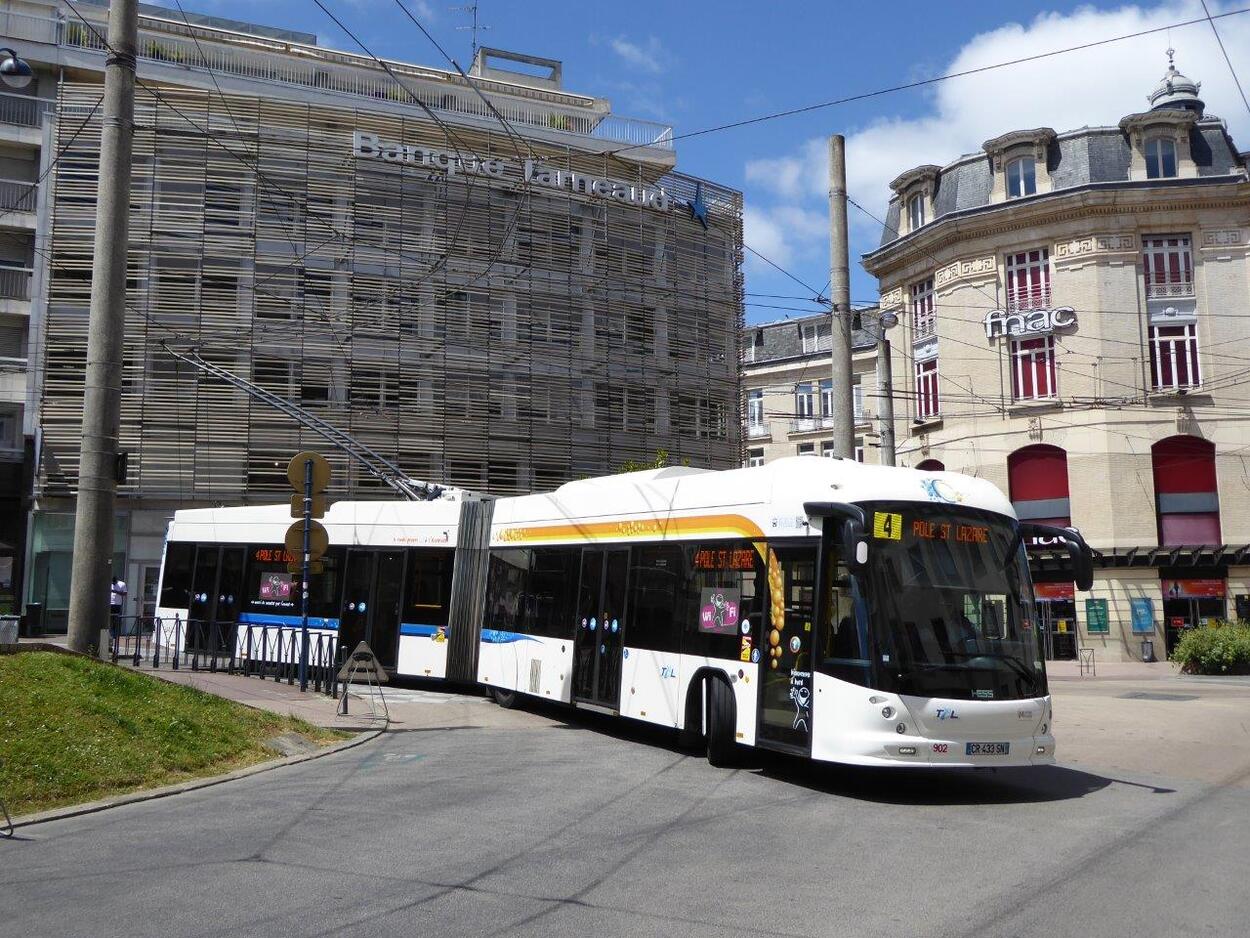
point(1080, 553)
point(854, 545)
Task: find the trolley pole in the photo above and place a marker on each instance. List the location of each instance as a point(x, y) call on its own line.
point(101, 410)
point(843, 412)
point(306, 573)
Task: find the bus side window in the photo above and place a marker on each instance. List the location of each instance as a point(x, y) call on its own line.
point(176, 577)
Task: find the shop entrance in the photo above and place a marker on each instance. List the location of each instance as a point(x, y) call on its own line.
point(1190, 603)
point(1056, 617)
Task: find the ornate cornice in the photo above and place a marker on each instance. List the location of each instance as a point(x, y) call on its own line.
point(968, 268)
point(1222, 239)
point(1164, 117)
point(892, 299)
point(1037, 137)
point(909, 178)
point(1083, 247)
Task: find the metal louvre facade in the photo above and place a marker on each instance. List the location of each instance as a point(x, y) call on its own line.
point(482, 331)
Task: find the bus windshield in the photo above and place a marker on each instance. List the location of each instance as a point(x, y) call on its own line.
point(951, 604)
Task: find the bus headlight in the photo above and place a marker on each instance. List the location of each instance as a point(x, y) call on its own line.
point(887, 712)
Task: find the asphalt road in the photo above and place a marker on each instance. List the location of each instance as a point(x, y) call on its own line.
point(543, 827)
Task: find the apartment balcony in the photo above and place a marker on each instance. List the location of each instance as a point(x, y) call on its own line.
point(17, 203)
point(822, 424)
point(1179, 289)
point(24, 27)
point(15, 283)
point(255, 58)
point(1026, 300)
point(22, 110)
point(759, 431)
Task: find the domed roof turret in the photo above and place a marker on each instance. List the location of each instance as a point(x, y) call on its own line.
point(1176, 91)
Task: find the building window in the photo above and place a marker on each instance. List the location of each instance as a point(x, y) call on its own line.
point(859, 450)
point(927, 389)
point(1037, 480)
point(857, 390)
point(1169, 266)
point(915, 212)
point(755, 409)
point(827, 449)
point(1160, 158)
point(1174, 357)
point(804, 401)
point(755, 456)
point(1033, 368)
point(817, 337)
point(923, 310)
point(754, 350)
point(826, 398)
point(1185, 487)
point(1021, 177)
point(1028, 279)
point(807, 449)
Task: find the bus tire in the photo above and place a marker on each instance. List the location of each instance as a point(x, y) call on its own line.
point(722, 724)
point(505, 698)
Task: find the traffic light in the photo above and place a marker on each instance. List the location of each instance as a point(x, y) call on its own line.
point(309, 475)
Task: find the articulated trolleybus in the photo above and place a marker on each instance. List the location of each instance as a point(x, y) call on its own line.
point(848, 613)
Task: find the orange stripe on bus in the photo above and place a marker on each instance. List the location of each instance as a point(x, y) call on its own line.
point(627, 528)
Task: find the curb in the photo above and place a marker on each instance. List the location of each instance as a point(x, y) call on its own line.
point(91, 807)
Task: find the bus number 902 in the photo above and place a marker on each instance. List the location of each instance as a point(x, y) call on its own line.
point(941, 747)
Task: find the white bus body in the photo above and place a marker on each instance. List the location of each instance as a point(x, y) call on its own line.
point(848, 613)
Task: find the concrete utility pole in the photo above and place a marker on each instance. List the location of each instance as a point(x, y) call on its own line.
point(840, 292)
point(101, 411)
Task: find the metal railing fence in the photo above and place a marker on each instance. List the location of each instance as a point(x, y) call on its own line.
point(246, 648)
point(15, 283)
point(23, 110)
point(18, 196)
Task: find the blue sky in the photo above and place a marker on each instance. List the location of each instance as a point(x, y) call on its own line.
point(702, 63)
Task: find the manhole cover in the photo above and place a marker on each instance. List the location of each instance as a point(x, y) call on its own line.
point(1145, 695)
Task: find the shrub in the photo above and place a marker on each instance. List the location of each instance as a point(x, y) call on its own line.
point(1218, 648)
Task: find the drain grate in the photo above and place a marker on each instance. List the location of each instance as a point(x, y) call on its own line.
point(1146, 695)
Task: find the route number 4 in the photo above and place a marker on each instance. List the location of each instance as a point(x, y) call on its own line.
point(887, 526)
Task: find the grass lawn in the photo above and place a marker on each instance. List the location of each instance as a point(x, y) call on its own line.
point(73, 730)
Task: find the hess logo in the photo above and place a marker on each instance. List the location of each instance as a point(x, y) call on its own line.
point(944, 713)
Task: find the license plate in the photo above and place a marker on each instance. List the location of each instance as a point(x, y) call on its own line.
point(987, 749)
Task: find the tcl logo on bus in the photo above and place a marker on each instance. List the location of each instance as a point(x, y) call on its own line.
point(941, 747)
point(946, 714)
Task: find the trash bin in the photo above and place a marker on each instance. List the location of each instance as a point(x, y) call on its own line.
point(1147, 650)
point(34, 620)
point(8, 629)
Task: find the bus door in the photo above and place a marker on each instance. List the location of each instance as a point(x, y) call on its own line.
point(216, 591)
point(600, 627)
point(357, 601)
point(785, 711)
point(387, 602)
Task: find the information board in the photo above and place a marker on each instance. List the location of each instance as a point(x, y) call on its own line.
point(1143, 614)
point(1096, 620)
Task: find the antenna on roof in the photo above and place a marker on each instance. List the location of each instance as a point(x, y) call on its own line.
point(474, 27)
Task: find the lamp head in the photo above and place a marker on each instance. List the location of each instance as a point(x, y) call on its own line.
point(15, 72)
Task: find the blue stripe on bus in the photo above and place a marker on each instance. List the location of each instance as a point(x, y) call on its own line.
point(276, 621)
point(408, 628)
point(496, 637)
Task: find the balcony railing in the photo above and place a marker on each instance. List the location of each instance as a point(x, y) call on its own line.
point(1174, 290)
point(814, 424)
point(1028, 299)
point(15, 283)
point(18, 196)
point(23, 110)
point(757, 431)
point(27, 28)
point(344, 73)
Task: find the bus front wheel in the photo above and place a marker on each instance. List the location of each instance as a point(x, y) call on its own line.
point(722, 724)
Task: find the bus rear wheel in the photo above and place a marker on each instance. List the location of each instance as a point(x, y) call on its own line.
point(505, 698)
point(722, 724)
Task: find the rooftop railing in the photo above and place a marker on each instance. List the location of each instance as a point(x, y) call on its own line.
point(260, 59)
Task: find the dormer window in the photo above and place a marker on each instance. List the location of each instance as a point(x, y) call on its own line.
point(1021, 177)
point(1160, 158)
point(915, 212)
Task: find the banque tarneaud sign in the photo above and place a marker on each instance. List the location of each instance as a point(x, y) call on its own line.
point(1000, 322)
point(367, 145)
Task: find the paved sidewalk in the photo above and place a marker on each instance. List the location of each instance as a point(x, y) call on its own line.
point(1112, 670)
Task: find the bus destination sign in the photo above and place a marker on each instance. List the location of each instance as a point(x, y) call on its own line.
point(742, 558)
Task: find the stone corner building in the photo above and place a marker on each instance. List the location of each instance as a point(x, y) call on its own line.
point(1077, 308)
point(502, 309)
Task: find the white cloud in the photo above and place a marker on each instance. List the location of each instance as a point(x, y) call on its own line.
point(785, 234)
point(649, 56)
point(1095, 86)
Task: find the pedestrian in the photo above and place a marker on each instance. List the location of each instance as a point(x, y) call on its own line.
point(117, 598)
